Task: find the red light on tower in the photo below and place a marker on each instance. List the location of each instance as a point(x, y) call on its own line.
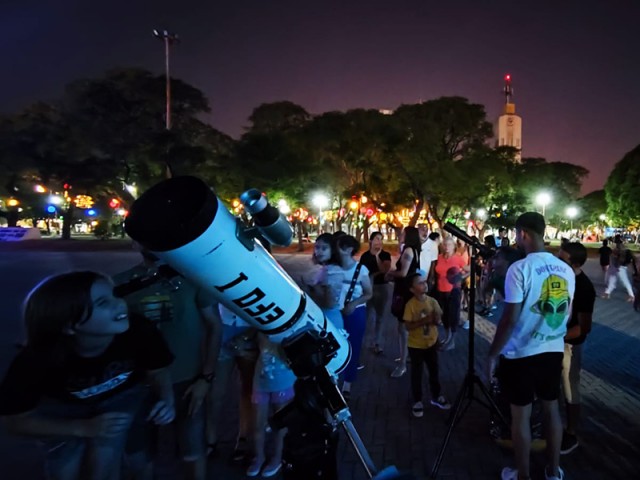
point(507, 77)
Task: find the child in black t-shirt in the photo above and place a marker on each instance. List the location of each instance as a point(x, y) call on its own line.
point(79, 381)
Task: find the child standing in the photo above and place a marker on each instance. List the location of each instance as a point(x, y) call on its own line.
point(422, 314)
point(79, 381)
point(272, 387)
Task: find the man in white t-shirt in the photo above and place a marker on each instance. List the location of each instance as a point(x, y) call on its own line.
point(429, 250)
point(530, 339)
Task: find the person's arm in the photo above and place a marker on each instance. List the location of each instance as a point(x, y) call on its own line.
point(163, 411)
point(384, 265)
point(405, 264)
point(201, 385)
point(34, 425)
point(367, 293)
point(504, 330)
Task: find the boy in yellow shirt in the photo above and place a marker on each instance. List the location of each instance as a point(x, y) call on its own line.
point(422, 315)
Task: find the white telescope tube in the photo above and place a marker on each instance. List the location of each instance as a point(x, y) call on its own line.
point(182, 222)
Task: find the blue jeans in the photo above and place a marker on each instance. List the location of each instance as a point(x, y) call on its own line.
point(70, 458)
point(355, 325)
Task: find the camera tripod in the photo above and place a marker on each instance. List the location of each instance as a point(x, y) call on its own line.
point(467, 392)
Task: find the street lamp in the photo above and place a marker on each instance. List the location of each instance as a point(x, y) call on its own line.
point(169, 39)
point(572, 212)
point(320, 200)
point(481, 213)
point(543, 199)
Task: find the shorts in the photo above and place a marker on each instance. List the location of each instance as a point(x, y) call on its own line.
point(66, 457)
point(522, 379)
point(272, 398)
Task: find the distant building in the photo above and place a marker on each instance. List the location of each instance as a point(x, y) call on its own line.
point(509, 126)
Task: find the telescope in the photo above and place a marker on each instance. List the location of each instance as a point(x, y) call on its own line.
point(183, 223)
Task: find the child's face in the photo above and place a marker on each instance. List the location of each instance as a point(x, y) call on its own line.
point(109, 315)
point(419, 286)
point(322, 251)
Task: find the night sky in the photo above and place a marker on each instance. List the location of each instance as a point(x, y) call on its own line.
point(575, 64)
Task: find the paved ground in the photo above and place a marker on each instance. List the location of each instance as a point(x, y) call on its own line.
point(380, 405)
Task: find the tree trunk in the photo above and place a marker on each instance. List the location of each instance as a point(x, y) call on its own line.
point(416, 215)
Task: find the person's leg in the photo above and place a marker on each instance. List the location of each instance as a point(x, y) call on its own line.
point(611, 282)
point(431, 359)
point(355, 325)
point(521, 438)
point(403, 336)
point(454, 313)
point(190, 435)
point(624, 278)
point(275, 462)
point(246, 366)
point(216, 398)
point(547, 373)
point(443, 301)
point(63, 459)
point(261, 407)
point(553, 435)
point(416, 356)
point(573, 399)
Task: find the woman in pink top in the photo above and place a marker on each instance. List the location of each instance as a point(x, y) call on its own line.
point(448, 294)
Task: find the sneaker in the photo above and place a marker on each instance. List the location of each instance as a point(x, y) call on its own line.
point(465, 325)
point(272, 468)
point(399, 371)
point(450, 345)
point(417, 410)
point(255, 468)
point(569, 443)
point(605, 295)
point(553, 477)
point(509, 473)
point(441, 403)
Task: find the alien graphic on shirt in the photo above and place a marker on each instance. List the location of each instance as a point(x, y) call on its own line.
point(553, 303)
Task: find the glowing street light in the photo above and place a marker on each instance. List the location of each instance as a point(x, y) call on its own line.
point(284, 207)
point(543, 199)
point(602, 217)
point(481, 213)
point(320, 200)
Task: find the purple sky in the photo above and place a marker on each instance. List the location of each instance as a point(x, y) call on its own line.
point(575, 65)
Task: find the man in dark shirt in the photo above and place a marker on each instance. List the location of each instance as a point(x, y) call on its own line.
point(605, 257)
point(578, 327)
point(378, 262)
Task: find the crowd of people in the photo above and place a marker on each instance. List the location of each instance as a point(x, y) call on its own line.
point(104, 368)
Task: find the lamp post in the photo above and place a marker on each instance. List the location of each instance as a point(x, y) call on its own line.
point(321, 201)
point(543, 199)
point(169, 39)
point(571, 212)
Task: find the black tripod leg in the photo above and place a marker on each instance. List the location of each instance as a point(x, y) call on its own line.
point(454, 416)
point(493, 407)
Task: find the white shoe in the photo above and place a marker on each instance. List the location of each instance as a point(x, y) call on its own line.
point(399, 371)
point(509, 473)
point(417, 410)
point(553, 477)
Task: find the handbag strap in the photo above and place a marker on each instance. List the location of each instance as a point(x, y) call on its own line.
point(352, 287)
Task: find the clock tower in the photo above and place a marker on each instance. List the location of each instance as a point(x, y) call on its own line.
point(509, 124)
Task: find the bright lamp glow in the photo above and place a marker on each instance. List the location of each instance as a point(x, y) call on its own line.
point(320, 200)
point(572, 212)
